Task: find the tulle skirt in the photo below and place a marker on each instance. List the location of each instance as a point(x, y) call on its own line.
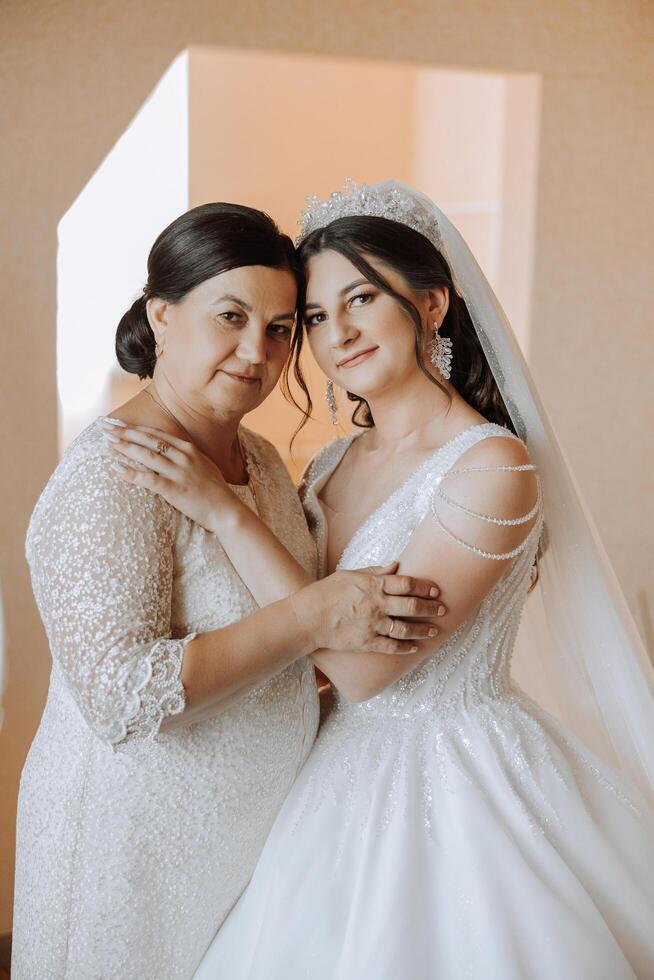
point(495, 847)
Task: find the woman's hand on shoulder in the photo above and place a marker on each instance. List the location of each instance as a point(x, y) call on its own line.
point(174, 468)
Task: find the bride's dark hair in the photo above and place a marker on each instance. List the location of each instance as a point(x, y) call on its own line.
point(423, 267)
point(201, 243)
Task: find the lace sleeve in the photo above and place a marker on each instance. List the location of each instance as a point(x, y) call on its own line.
point(490, 509)
point(101, 560)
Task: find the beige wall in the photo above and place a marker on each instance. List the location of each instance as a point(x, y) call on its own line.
point(73, 75)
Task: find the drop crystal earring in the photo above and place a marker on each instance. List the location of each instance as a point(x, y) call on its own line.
point(331, 401)
point(440, 353)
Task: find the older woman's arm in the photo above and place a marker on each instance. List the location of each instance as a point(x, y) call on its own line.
point(102, 567)
point(101, 560)
point(101, 557)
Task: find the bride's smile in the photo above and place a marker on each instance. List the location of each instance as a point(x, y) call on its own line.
point(354, 359)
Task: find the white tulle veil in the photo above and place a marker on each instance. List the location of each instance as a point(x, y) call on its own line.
point(579, 653)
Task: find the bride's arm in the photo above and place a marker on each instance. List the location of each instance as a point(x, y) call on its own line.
point(458, 547)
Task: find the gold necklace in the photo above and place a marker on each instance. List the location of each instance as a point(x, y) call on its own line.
point(245, 459)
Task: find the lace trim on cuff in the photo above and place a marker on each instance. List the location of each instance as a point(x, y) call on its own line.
point(147, 690)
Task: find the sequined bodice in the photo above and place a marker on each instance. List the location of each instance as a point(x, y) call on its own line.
point(474, 661)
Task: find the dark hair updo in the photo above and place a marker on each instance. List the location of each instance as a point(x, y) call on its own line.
point(423, 267)
point(201, 243)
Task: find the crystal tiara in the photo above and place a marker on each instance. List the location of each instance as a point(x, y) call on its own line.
point(385, 200)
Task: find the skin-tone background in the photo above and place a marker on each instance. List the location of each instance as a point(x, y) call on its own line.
point(64, 105)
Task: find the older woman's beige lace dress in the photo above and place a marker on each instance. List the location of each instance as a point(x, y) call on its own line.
point(134, 843)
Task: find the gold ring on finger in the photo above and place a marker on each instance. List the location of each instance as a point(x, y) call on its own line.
point(390, 632)
point(162, 447)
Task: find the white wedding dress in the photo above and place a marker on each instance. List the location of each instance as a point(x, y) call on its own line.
point(134, 843)
point(449, 827)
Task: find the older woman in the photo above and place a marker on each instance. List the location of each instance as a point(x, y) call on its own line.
point(179, 713)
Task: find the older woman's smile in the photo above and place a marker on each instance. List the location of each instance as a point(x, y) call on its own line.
point(248, 379)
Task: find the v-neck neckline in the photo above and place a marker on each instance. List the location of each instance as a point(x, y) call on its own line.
point(318, 485)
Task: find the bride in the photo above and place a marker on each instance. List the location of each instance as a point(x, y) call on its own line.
point(444, 824)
